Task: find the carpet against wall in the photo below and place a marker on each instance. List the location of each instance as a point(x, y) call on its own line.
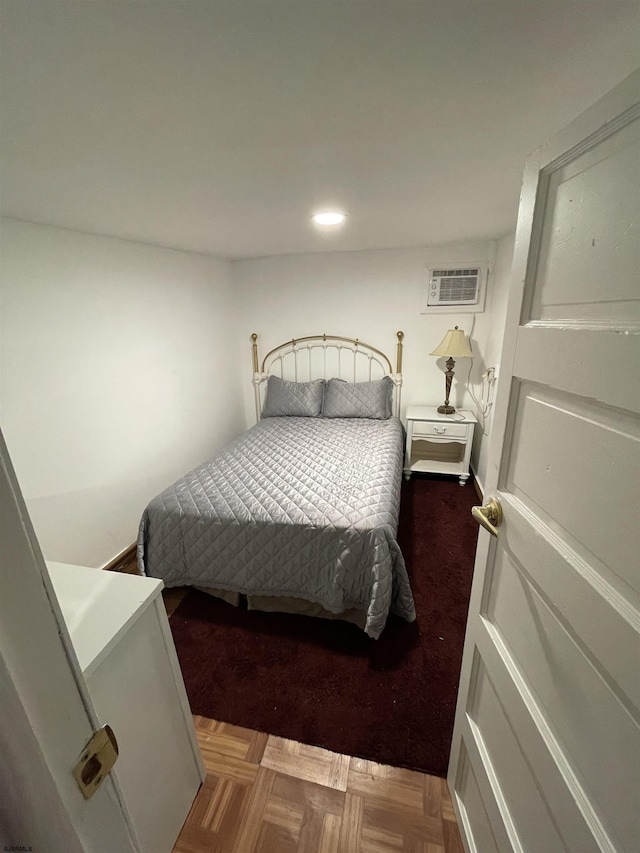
point(326, 683)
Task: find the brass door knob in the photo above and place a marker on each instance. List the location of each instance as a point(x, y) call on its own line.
point(489, 515)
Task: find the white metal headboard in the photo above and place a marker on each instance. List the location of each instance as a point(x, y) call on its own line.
point(326, 357)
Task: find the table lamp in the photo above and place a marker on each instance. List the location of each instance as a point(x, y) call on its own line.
point(455, 344)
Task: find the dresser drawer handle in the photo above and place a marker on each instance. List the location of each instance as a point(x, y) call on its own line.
point(440, 430)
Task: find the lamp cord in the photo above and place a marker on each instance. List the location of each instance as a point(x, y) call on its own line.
point(485, 403)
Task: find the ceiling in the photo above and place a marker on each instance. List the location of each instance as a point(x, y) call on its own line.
point(219, 127)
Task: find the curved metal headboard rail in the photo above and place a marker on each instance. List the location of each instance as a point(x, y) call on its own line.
point(296, 346)
point(361, 346)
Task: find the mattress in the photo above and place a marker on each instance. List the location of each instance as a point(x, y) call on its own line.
point(302, 508)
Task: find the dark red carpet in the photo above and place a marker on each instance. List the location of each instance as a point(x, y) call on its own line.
point(326, 683)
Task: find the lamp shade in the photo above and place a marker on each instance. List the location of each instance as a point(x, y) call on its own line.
point(455, 344)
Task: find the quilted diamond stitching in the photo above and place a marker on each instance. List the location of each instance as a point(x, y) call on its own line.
point(358, 399)
point(293, 399)
point(296, 507)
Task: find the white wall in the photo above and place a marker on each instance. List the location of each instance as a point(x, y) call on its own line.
point(370, 295)
point(118, 374)
point(488, 335)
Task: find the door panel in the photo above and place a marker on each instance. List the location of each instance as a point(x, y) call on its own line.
point(585, 715)
point(590, 236)
point(560, 451)
point(525, 801)
point(576, 591)
point(475, 813)
point(547, 732)
point(598, 365)
point(540, 747)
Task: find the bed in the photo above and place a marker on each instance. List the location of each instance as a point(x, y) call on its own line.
point(300, 513)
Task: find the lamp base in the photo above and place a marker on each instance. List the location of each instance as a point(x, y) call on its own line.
point(446, 410)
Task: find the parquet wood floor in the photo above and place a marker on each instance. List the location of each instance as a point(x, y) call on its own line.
point(265, 794)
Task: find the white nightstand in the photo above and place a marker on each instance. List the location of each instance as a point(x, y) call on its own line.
point(438, 444)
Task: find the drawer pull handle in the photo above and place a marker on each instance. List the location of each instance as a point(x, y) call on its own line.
point(440, 430)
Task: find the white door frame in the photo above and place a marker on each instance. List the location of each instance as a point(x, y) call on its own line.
point(47, 714)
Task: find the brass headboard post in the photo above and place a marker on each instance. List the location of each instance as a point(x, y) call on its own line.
point(254, 348)
point(256, 374)
point(400, 337)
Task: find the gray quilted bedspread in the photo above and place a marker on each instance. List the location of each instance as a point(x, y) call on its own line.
point(299, 507)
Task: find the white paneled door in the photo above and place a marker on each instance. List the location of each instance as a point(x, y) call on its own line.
point(546, 746)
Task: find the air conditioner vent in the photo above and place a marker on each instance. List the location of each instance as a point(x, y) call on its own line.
point(446, 273)
point(454, 286)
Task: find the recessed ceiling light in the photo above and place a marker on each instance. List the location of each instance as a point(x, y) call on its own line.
point(329, 218)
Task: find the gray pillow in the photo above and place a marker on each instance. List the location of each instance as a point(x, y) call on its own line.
point(358, 399)
point(293, 399)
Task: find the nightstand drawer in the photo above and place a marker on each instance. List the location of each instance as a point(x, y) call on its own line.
point(441, 430)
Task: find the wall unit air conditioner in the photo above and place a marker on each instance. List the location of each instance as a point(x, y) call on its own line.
point(455, 289)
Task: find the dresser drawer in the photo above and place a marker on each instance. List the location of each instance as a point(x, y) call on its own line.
point(439, 430)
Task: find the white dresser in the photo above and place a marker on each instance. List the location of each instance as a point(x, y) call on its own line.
point(121, 636)
point(438, 444)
